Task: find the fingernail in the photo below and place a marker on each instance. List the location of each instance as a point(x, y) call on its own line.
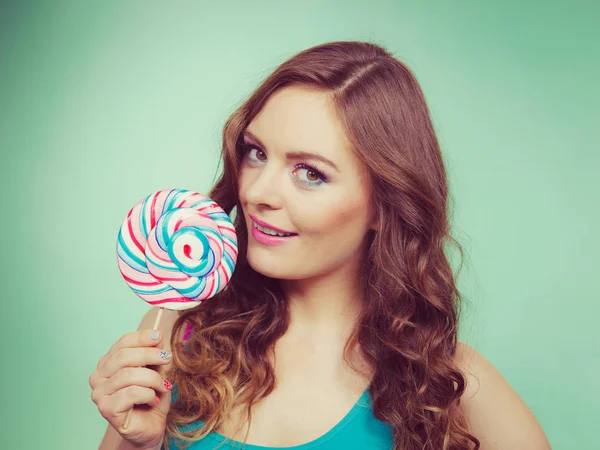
point(168, 385)
point(157, 399)
point(154, 335)
point(164, 355)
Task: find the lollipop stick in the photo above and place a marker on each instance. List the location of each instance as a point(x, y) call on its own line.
point(158, 316)
point(155, 327)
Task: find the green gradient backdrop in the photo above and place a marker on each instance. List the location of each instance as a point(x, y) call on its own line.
point(102, 104)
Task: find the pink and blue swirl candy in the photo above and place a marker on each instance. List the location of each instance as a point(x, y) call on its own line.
point(177, 248)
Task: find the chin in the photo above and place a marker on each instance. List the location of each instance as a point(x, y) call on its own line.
point(270, 268)
point(275, 274)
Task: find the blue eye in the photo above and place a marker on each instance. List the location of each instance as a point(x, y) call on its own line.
point(247, 149)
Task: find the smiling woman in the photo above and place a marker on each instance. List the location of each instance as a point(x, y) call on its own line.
point(328, 206)
point(338, 329)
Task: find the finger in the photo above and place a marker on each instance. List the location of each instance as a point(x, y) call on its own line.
point(124, 399)
point(101, 361)
point(141, 338)
point(94, 379)
point(134, 357)
point(135, 376)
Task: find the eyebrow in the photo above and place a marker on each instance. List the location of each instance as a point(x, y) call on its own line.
point(295, 154)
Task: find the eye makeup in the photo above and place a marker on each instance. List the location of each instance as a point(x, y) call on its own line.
point(296, 155)
point(248, 145)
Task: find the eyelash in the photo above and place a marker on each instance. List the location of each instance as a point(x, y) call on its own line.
point(247, 147)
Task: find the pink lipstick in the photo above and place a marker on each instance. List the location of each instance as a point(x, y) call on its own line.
point(266, 238)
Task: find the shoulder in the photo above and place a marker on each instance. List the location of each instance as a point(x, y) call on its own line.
point(496, 415)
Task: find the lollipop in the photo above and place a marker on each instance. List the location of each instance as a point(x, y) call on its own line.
point(175, 249)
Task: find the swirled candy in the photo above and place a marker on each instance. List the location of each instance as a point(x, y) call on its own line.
point(177, 248)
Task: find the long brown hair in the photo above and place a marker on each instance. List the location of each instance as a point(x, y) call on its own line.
point(408, 329)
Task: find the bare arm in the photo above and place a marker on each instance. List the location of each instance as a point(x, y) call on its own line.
point(112, 439)
point(497, 416)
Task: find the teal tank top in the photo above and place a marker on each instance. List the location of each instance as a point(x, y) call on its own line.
point(358, 429)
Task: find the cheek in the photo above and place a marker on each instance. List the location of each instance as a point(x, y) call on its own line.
point(340, 219)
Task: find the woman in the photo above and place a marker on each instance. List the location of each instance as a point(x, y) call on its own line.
point(343, 332)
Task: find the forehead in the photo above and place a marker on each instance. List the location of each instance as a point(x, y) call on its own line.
point(302, 118)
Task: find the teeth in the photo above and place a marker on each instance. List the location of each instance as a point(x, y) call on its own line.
point(269, 231)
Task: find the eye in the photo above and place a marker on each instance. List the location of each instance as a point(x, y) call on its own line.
point(246, 148)
point(314, 177)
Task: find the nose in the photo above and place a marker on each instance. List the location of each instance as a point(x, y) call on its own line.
point(264, 187)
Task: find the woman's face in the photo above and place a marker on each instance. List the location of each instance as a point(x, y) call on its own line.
point(325, 205)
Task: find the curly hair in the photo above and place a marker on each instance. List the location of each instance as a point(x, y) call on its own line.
point(408, 328)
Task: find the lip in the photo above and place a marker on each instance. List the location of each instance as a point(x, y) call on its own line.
point(267, 239)
point(268, 225)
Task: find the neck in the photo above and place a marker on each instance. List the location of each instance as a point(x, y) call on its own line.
point(325, 307)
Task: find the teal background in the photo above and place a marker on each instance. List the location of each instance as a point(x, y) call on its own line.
point(103, 103)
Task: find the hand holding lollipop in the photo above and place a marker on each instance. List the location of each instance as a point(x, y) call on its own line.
point(175, 249)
